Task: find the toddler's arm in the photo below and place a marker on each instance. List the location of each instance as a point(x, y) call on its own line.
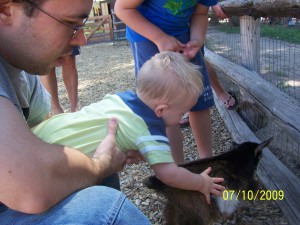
point(179, 177)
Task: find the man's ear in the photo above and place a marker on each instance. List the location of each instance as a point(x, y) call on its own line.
point(5, 12)
point(159, 109)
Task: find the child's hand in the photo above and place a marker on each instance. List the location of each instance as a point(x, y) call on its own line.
point(192, 48)
point(169, 43)
point(218, 11)
point(209, 184)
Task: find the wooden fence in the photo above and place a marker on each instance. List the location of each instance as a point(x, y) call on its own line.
point(273, 174)
point(104, 28)
point(99, 28)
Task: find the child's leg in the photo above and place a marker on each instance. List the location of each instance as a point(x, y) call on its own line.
point(200, 120)
point(201, 126)
point(50, 83)
point(70, 77)
point(221, 93)
point(214, 79)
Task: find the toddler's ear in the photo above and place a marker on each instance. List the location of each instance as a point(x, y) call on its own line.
point(159, 110)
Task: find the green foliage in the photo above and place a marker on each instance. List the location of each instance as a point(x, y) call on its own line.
point(280, 32)
point(228, 28)
point(290, 34)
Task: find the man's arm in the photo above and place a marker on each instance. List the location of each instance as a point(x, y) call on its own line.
point(35, 175)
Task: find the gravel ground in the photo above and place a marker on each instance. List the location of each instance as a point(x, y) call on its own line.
point(108, 68)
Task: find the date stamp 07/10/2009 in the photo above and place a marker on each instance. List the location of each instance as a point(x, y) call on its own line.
point(259, 195)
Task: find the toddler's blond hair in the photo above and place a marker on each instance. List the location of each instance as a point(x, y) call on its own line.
point(168, 74)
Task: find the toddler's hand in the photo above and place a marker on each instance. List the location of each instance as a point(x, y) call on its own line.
point(209, 184)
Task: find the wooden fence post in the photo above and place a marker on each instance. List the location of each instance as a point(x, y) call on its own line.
point(250, 34)
point(105, 11)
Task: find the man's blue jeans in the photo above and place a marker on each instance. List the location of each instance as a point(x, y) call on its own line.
point(95, 205)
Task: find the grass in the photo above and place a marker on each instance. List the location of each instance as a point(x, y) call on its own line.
point(227, 28)
point(290, 34)
point(279, 32)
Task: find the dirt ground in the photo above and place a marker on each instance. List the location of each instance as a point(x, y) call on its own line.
point(108, 68)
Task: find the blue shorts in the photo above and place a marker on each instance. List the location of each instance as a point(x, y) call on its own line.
point(144, 50)
point(202, 50)
point(75, 50)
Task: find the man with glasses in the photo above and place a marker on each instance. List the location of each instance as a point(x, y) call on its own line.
point(42, 183)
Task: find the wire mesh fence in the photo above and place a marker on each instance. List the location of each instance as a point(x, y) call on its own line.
point(278, 64)
point(279, 60)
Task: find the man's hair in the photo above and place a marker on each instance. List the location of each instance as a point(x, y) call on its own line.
point(28, 7)
point(166, 75)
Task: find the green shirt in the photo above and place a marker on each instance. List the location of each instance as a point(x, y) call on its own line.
point(139, 128)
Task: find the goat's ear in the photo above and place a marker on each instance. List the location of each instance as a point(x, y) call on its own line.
point(261, 146)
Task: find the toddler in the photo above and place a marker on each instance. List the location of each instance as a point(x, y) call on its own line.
point(168, 85)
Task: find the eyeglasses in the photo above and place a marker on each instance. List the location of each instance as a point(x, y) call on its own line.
point(75, 29)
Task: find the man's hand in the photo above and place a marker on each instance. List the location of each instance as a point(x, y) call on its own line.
point(134, 157)
point(112, 159)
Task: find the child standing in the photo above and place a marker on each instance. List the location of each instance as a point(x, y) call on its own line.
point(142, 118)
point(180, 26)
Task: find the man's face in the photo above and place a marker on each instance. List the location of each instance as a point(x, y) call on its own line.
point(36, 44)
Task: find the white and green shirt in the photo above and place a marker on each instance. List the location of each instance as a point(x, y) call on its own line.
point(139, 128)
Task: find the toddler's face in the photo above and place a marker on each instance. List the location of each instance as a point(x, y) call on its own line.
point(180, 106)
